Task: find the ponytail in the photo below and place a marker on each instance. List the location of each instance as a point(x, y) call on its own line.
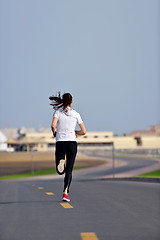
point(59, 102)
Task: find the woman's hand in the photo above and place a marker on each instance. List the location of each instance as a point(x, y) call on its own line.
point(76, 133)
point(82, 131)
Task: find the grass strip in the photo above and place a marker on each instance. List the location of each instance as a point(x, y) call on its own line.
point(36, 173)
point(151, 174)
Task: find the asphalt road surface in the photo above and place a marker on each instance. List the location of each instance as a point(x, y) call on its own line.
point(99, 209)
point(133, 163)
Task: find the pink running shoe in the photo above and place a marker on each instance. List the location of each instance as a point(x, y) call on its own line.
point(66, 198)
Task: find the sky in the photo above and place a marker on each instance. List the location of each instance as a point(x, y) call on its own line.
point(106, 53)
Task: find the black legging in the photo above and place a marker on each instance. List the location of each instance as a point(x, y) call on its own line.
point(68, 149)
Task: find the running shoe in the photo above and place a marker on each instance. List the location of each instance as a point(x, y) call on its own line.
point(61, 166)
point(66, 198)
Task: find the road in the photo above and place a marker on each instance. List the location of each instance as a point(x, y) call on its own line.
point(103, 210)
point(124, 166)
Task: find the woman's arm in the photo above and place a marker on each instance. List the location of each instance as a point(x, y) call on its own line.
point(82, 131)
point(53, 126)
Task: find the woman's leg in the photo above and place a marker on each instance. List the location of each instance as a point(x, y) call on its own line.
point(60, 155)
point(71, 152)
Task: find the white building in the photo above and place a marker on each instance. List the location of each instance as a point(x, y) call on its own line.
point(3, 144)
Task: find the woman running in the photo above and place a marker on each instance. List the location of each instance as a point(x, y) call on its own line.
point(63, 128)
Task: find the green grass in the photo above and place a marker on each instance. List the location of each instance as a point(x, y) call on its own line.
point(36, 173)
point(151, 174)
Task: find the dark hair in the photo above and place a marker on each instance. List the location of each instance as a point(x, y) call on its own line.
point(61, 101)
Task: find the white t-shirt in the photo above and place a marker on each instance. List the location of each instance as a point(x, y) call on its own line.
point(67, 120)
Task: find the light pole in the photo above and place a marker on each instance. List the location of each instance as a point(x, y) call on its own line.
point(32, 164)
point(113, 160)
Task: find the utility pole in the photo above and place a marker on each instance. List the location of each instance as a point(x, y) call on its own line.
point(32, 164)
point(113, 160)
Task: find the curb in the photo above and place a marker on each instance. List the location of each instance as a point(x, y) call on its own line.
point(134, 179)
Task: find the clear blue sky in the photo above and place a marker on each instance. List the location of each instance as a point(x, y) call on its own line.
point(105, 53)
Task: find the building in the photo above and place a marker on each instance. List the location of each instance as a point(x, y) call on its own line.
point(152, 131)
point(44, 141)
point(3, 143)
